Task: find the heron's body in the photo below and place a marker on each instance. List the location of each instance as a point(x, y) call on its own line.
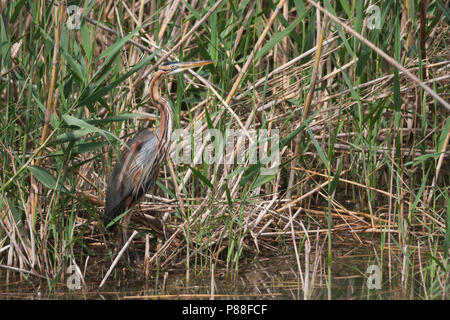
point(121, 193)
point(137, 168)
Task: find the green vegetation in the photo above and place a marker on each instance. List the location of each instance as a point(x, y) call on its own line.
point(363, 147)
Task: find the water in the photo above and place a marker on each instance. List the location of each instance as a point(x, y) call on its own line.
point(258, 277)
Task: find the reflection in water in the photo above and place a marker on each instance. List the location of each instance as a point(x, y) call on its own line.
point(259, 277)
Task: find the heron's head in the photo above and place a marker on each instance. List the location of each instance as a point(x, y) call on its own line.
point(175, 67)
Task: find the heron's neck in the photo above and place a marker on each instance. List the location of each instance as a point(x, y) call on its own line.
point(165, 127)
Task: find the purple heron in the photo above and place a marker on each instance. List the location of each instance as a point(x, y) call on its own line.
point(137, 168)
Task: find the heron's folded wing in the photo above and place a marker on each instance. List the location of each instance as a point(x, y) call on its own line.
point(123, 184)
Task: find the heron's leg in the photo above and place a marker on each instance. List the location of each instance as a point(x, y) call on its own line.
point(126, 223)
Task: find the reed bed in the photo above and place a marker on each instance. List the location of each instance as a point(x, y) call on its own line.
point(363, 134)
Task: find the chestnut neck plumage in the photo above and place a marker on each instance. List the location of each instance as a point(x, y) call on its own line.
point(165, 126)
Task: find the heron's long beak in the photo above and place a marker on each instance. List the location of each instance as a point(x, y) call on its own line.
point(181, 66)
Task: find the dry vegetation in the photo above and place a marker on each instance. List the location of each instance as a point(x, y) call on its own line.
point(363, 145)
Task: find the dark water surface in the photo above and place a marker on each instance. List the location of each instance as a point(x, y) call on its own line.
point(353, 269)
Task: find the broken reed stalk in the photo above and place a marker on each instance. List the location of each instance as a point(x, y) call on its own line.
point(119, 255)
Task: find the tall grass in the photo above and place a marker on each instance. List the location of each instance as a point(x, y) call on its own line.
point(366, 158)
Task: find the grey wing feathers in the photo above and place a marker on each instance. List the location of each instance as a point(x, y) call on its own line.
point(125, 181)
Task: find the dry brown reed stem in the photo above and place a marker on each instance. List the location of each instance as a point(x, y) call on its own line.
point(422, 31)
point(9, 70)
point(132, 53)
point(297, 258)
point(51, 102)
point(226, 105)
point(34, 189)
point(11, 230)
point(163, 54)
point(193, 218)
point(186, 36)
point(438, 167)
point(307, 102)
point(175, 183)
point(352, 215)
point(305, 279)
point(166, 244)
point(213, 286)
point(384, 55)
point(370, 97)
point(168, 15)
point(241, 30)
point(388, 194)
point(49, 110)
point(147, 256)
point(297, 200)
point(22, 271)
point(283, 68)
point(238, 81)
point(308, 98)
point(114, 32)
point(241, 74)
point(181, 206)
point(315, 72)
